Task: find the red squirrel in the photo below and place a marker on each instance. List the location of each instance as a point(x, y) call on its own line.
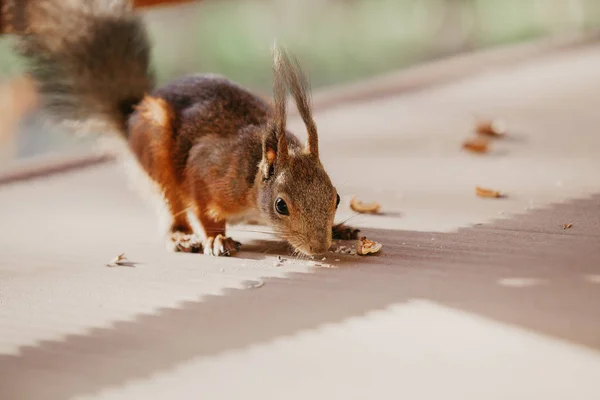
point(209, 145)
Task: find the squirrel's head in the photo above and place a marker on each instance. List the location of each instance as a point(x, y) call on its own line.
point(295, 193)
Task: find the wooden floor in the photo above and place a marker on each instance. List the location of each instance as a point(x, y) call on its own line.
point(470, 298)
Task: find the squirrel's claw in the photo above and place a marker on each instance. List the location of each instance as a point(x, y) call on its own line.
point(184, 242)
point(343, 232)
point(217, 246)
point(221, 246)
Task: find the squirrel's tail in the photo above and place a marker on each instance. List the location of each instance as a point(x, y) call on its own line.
point(90, 58)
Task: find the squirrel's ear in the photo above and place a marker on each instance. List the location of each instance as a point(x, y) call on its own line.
point(275, 151)
point(275, 146)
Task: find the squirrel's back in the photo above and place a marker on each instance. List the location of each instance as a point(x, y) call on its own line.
point(221, 101)
point(206, 111)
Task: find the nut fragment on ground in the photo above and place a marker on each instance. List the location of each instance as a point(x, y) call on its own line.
point(119, 261)
point(254, 284)
point(477, 145)
point(280, 261)
point(319, 264)
point(494, 128)
point(488, 193)
point(364, 208)
point(365, 246)
point(345, 250)
point(567, 226)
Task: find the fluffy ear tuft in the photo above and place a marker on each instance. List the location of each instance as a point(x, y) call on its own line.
point(275, 146)
point(295, 79)
point(279, 92)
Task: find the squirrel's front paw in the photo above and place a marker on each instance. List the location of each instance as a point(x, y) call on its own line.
point(184, 242)
point(343, 232)
point(221, 246)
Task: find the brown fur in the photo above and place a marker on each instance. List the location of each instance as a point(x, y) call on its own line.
point(151, 140)
point(213, 148)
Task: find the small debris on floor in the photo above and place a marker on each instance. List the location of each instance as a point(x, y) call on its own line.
point(488, 193)
point(345, 250)
point(319, 264)
point(280, 261)
point(340, 249)
point(476, 145)
point(255, 284)
point(494, 128)
point(567, 226)
point(120, 261)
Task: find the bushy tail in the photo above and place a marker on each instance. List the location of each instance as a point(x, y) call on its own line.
point(90, 58)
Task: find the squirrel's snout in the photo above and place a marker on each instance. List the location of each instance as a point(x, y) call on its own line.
point(318, 249)
point(315, 247)
point(319, 246)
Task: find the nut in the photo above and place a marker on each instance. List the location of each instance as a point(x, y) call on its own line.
point(365, 246)
point(364, 208)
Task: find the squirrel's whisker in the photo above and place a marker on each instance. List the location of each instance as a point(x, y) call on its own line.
point(347, 219)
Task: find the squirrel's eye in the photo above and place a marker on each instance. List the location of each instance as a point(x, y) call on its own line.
point(337, 200)
point(281, 207)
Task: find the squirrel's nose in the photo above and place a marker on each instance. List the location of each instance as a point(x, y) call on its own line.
point(320, 247)
point(316, 249)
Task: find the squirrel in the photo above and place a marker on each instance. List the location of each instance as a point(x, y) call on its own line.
point(214, 149)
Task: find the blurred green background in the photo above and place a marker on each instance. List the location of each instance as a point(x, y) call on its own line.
point(340, 40)
point(337, 41)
